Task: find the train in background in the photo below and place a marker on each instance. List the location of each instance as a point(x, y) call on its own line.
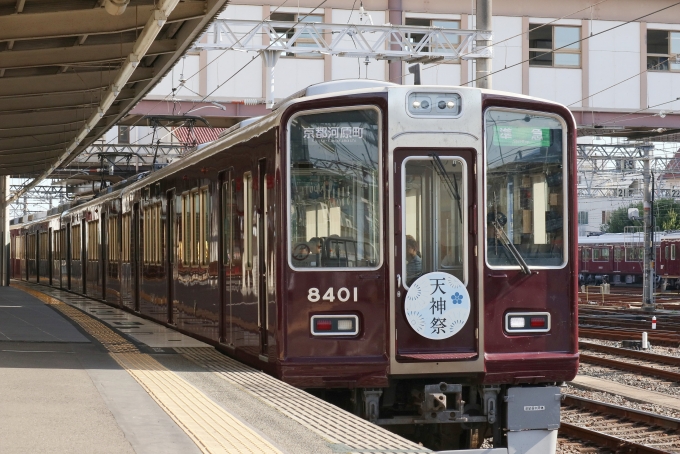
point(617, 258)
point(404, 251)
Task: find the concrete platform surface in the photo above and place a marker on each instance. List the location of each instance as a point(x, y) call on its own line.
point(24, 318)
point(121, 391)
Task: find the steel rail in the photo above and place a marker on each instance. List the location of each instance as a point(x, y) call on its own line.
point(618, 411)
point(631, 367)
point(637, 354)
point(618, 335)
point(608, 441)
point(663, 326)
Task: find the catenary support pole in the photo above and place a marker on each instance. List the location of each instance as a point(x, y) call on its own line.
point(4, 231)
point(483, 75)
point(648, 273)
point(395, 13)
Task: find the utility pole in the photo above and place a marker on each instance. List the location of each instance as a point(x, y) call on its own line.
point(483, 14)
point(648, 273)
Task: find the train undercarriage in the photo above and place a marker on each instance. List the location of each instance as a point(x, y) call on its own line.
point(448, 416)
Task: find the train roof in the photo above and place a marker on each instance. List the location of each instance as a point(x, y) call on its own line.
point(618, 238)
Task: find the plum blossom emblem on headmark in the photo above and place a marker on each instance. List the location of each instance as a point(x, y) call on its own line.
point(437, 305)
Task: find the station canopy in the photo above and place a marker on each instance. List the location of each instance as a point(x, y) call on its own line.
point(71, 69)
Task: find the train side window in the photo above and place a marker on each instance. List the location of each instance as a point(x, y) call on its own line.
point(112, 238)
point(596, 254)
point(635, 254)
point(186, 230)
point(586, 254)
point(248, 220)
point(196, 228)
point(55, 243)
point(92, 240)
point(672, 252)
point(44, 246)
point(75, 242)
point(227, 223)
point(32, 238)
point(125, 238)
point(205, 230)
point(145, 234)
point(666, 252)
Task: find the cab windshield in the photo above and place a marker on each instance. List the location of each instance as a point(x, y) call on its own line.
point(335, 189)
point(525, 190)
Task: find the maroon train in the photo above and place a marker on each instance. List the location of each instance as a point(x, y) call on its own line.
point(618, 259)
point(405, 251)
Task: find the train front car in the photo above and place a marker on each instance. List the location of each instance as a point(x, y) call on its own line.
point(430, 263)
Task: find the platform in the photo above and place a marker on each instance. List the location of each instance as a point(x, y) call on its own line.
point(78, 375)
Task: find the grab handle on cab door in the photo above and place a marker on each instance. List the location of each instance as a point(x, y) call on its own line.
point(398, 280)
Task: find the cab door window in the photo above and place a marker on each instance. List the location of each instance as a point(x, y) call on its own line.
point(434, 218)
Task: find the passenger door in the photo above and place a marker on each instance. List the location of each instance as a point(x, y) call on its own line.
point(170, 261)
point(262, 256)
point(436, 316)
point(135, 256)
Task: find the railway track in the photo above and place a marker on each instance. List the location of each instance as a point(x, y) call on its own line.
point(619, 429)
point(667, 339)
point(639, 362)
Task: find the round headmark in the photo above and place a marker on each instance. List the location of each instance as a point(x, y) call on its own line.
point(437, 305)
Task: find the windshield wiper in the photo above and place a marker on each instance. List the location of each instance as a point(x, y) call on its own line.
point(500, 233)
point(452, 186)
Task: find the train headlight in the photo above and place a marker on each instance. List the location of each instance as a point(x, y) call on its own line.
point(334, 325)
point(527, 322)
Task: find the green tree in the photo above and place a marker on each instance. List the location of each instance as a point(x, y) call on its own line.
point(618, 219)
point(667, 212)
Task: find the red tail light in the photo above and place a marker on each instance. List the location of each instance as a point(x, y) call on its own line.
point(323, 325)
point(537, 322)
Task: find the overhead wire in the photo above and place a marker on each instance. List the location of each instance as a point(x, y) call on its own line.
point(576, 42)
point(513, 37)
point(259, 53)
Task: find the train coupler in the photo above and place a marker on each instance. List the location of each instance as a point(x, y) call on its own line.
point(443, 403)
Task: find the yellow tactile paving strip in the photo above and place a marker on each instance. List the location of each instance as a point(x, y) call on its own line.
point(331, 423)
point(211, 427)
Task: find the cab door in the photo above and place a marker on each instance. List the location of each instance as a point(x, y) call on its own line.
point(436, 315)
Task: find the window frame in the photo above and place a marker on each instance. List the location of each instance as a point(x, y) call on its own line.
point(92, 240)
point(565, 190)
point(227, 221)
point(380, 184)
point(76, 242)
point(248, 221)
point(431, 20)
point(464, 203)
point(205, 201)
point(186, 238)
point(112, 237)
point(668, 53)
point(602, 251)
point(43, 253)
point(552, 50)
